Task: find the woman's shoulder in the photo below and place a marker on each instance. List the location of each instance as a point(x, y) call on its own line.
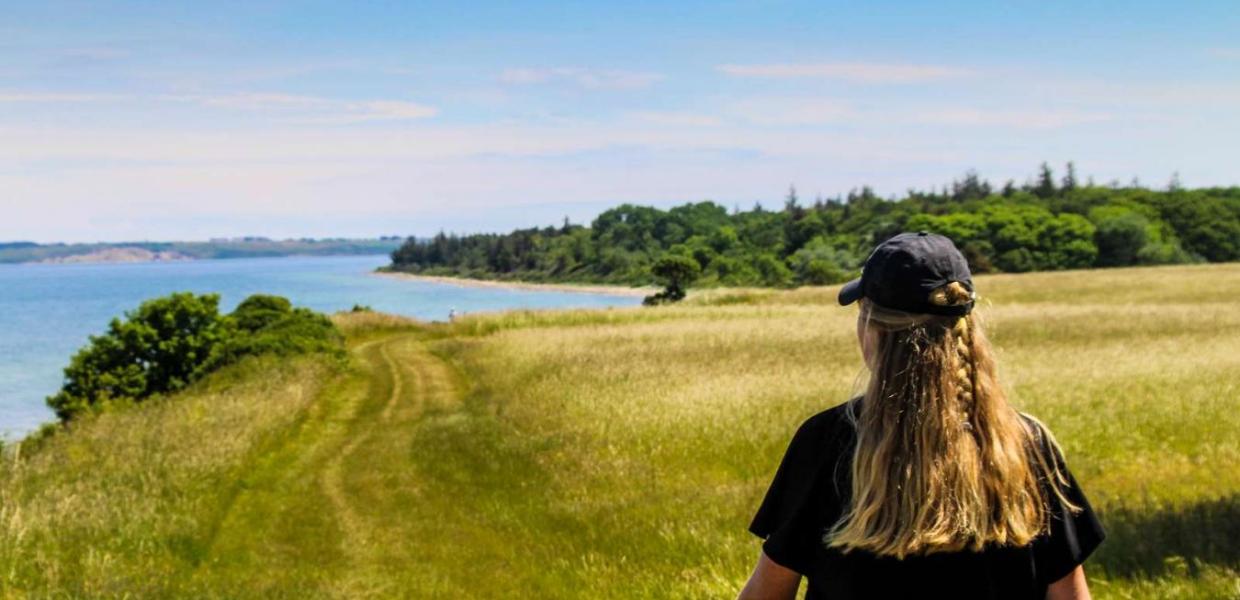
point(826, 432)
point(830, 421)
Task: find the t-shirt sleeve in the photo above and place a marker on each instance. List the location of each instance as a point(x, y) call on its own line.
point(790, 518)
point(1073, 535)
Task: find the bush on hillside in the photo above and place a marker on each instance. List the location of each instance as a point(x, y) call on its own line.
point(271, 325)
point(168, 342)
point(154, 349)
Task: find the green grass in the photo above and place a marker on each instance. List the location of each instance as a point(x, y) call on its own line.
point(613, 453)
point(128, 502)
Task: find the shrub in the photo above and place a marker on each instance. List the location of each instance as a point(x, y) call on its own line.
point(282, 331)
point(154, 349)
point(168, 342)
point(259, 311)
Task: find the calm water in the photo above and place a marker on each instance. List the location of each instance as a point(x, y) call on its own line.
point(47, 311)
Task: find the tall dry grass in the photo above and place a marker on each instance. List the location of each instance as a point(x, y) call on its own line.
point(124, 504)
point(650, 435)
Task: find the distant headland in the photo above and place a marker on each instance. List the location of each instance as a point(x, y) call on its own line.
point(241, 247)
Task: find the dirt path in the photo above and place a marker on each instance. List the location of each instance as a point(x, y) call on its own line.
point(323, 510)
point(386, 374)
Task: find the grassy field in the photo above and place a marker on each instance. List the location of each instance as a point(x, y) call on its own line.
point(613, 453)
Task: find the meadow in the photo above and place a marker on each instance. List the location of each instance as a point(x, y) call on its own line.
point(614, 453)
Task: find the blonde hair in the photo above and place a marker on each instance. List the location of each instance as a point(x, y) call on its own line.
point(942, 462)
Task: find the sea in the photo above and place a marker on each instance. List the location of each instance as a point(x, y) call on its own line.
point(48, 311)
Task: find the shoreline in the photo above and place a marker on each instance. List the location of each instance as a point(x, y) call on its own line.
point(582, 288)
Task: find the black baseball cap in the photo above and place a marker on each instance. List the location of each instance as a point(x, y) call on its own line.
point(902, 271)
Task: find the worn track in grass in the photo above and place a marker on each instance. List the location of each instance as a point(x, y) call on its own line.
point(318, 514)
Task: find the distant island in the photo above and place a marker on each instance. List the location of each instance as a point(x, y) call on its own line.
point(242, 247)
point(1048, 223)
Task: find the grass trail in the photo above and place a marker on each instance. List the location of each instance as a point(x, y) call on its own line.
point(316, 517)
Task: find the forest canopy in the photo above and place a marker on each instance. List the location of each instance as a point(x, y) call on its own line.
point(1048, 223)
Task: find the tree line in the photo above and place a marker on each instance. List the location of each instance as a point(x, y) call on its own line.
point(1047, 223)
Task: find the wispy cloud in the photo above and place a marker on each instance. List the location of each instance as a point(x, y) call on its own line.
point(257, 101)
point(97, 53)
point(1226, 53)
point(306, 109)
point(593, 79)
point(28, 96)
point(676, 119)
point(791, 111)
point(313, 109)
point(809, 111)
point(857, 72)
point(1020, 119)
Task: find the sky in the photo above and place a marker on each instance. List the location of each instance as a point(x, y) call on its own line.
point(170, 120)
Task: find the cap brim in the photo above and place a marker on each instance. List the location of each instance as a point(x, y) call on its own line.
point(851, 292)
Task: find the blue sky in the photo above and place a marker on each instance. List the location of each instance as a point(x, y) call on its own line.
point(122, 121)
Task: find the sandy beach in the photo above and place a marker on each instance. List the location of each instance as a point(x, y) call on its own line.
point(613, 290)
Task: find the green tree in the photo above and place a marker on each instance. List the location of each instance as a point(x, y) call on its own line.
point(259, 311)
point(1045, 187)
point(1069, 180)
point(728, 270)
point(801, 231)
point(1016, 260)
point(820, 263)
point(761, 231)
point(1206, 224)
point(772, 271)
point(1067, 242)
point(699, 248)
point(1012, 227)
point(264, 324)
point(1120, 238)
point(168, 342)
point(724, 239)
point(154, 349)
point(675, 272)
point(959, 227)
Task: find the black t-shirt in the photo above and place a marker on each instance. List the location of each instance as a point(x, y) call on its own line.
point(810, 493)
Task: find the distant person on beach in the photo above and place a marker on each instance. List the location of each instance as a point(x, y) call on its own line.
point(928, 484)
point(451, 314)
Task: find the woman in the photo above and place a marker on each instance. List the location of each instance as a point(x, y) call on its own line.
point(929, 484)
